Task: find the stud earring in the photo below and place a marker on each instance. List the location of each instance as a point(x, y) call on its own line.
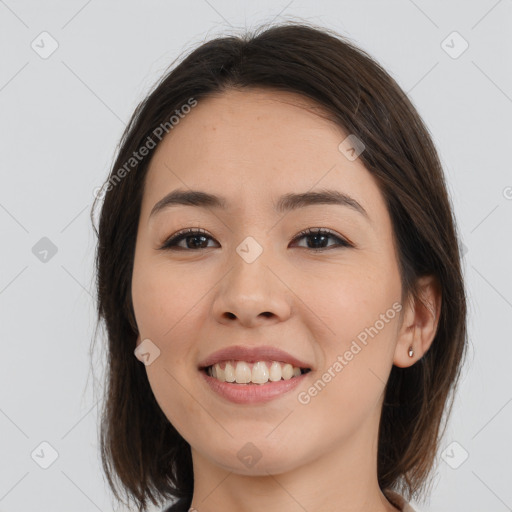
point(411, 351)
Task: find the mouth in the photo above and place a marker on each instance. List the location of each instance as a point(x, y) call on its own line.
point(253, 384)
point(262, 372)
point(251, 375)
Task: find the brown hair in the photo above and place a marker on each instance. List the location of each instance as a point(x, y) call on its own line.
point(142, 454)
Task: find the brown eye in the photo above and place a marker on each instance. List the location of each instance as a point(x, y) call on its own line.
point(319, 237)
point(198, 240)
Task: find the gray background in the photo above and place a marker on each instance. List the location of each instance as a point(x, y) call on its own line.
point(61, 119)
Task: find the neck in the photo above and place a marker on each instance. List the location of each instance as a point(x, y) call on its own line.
point(342, 479)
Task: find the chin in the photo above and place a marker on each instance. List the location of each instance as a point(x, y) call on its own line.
point(252, 459)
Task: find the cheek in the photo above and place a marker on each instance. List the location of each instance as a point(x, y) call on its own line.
point(169, 306)
point(351, 298)
point(359, 309)
point(357, 348)
point(166, 305)
point(165, 299)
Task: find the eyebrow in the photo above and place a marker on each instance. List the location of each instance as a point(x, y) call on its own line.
point(285, 203)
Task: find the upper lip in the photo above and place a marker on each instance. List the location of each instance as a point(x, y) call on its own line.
point(252, 355)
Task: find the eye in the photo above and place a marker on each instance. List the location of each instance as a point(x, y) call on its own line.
point(318, 236)
point(199, 237)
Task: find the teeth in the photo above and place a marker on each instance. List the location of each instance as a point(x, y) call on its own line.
point(242, 373)
point(260, 373)
point(229, 372)
point(275, 372)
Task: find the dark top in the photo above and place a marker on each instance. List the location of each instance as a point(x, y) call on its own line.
point(182, 505)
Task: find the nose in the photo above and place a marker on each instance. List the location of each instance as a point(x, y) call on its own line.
point(252, 294)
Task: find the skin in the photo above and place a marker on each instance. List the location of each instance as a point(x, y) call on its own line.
point(251, 147)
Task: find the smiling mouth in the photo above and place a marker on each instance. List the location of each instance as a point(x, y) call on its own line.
point(261, 372)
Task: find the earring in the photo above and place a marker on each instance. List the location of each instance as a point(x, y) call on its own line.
point(411, 351)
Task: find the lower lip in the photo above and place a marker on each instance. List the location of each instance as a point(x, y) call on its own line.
point(252, 393)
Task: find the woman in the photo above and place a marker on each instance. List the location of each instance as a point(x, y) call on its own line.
point(279, 274)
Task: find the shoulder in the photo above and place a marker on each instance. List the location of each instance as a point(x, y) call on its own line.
point(183, 505)
point(398, 501)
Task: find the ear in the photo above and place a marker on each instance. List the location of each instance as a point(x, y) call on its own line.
point(419, 323)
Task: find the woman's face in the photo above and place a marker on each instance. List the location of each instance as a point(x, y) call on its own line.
point(248, 280)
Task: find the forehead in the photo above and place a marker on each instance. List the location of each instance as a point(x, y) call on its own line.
point(256, 144)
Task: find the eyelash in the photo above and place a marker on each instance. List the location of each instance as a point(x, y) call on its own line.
point(171, 242)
